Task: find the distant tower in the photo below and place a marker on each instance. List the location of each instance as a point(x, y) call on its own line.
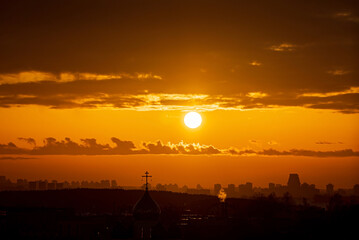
point(146, 213)
point(294, 184)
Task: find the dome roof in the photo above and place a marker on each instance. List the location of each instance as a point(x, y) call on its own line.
point(146, 209)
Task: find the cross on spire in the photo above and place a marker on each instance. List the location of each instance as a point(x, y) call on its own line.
point(146, 176)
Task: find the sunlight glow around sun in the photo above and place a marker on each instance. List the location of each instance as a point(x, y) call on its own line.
point(193, 120)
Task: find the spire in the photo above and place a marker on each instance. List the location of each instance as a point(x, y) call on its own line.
point(146, 176)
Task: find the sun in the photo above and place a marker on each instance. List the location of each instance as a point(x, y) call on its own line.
point(193, 120)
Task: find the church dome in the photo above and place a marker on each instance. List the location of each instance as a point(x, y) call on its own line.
point(146, 209)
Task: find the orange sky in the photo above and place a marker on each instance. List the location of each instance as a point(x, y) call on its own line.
point(188, 170)
point(97, 90)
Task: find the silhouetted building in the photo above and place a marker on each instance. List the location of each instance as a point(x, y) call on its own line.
point(356, 189)
point(294, 184)
point(330, 189)
point(146, 213)
point(105, 184)
point(114, 184)
point(308, 191)
point(21, 184)
point(160, 187)
point(52, 185)
point(33, 185)
point(230, 190)
point(42, 185)
point(245, 190)
point(2, 179)
point(271, 187)
point(171, 187)
point(217, 188)
point(59, 186)
point(184, 189)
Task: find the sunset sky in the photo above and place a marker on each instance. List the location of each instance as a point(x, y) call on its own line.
point(93, 90)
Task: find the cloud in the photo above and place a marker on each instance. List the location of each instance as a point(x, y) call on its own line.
point(326, 142)
point(180, 148)
point(75, 60)
point(30, 141)
point(347, 16)
point(38, 76)
point(257, 95)
point(90, 146)
point(283, 47)
point(26, 76)
point(296, 152)
point(351, 90)
point(338, 72)
point(145, 95)
point(255, 63)
point(11, 148)
point(272, 142)
point(309, 153)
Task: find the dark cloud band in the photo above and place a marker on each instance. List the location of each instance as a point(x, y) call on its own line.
point(89, 146)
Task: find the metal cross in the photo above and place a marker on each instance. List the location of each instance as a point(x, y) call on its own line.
point(146, 176)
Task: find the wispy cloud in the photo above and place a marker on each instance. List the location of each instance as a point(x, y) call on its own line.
point(352, 90)
point(256, 95)
point(338, 72)
point(327, 142)
point(255, 63)
point(38, 76)
point(272, 142)
point(346, 16)
point(283, 47)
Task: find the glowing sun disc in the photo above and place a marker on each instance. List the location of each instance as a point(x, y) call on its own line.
point(193, 120)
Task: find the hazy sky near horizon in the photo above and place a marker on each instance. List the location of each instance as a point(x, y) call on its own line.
point(88, 85)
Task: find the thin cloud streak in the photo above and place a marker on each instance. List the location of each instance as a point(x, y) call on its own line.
point(38, 76)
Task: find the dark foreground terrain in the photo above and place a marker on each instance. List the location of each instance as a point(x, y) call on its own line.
point(107, 214)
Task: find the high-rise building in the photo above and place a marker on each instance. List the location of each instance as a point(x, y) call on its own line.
point(294, 184)
point(330, 189)
point(2, 179)
point(113, 184)
point(51, 186)
point(105, 184)
point(249, 186)
point(33, 185)
point(217, 188)
point(230, 190)
point(42, 185)
point(59, 186)
point(245, 189)
point(356, 189)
